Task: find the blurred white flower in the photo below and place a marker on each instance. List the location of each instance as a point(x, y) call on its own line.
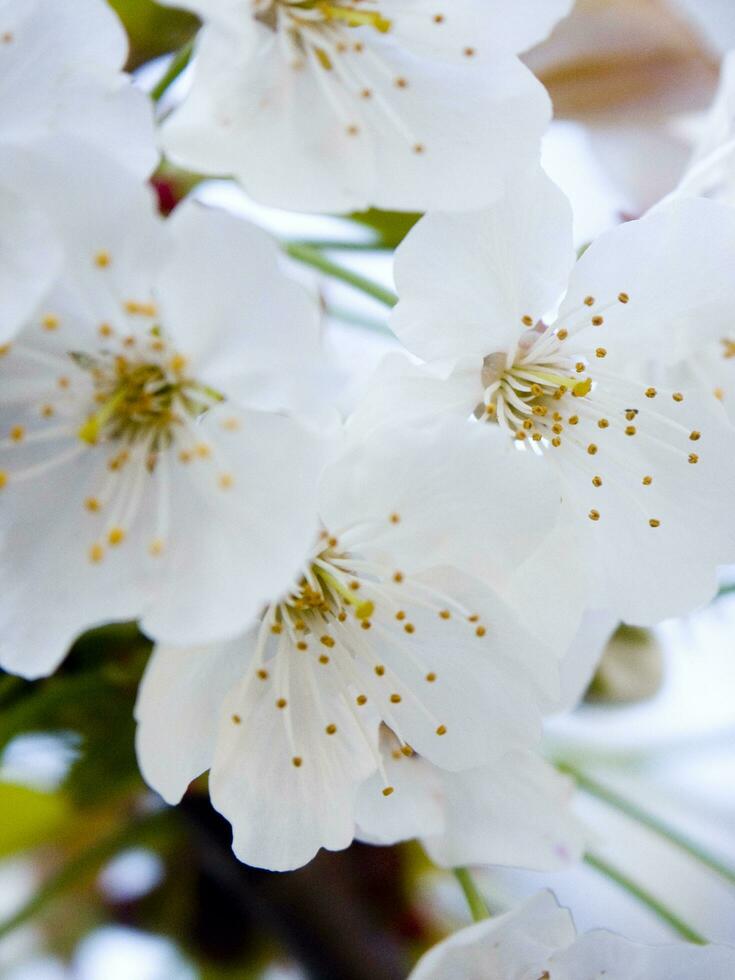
point(334, 106)
point(538, 940)
point(148, 463)
point(515, 812)
point(61, 84)
point(381, 626)
point(577, 395)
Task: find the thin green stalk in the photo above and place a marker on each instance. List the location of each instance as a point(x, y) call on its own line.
point(84, 864)
point(313, 257)
point(475, 901)
point(336, 245)
point(634, 812)
point(179, 61)
point(645, 898)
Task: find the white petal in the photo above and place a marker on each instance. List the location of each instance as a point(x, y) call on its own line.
point(242, 523)
point(578, 666)
point(674, 266)
point(282, 813)
point(508, 947)
point(178, 708)
point(516, 812)
point(29, 260)
point(425, 491)
point(601, 953)
point(249, 330)
point(485, 26)
point(466, 281)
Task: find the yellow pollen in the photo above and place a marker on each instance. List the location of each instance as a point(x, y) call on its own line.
point(301, 645)
point(398, 576)
point(647, 481)
point(409, 628)
point(395, 699)
point(400, 615)
point(394, 518)
point(4, 350)
point(677, 396)
point(102, 259)
point(263, 674)
point(480, 631)
point(594, 515)
point(225, 481)
point(592, 449)
point(92, 504)
point(445, 614)
point(323, 659)
point(623, 298)
point(441, 730)
point(600, 352)
point(650, 392)
point(562, 334)
point(597, 321)
point(50, 322)
point(527, 320)
point(136, 308)
point(603, 424)
point(155, 548)
point(17, 433)
point(47, 411)
point(3, 479)
point(573, 419)
point(115, 536)
point(431, 677)
point(380, 670)
point(104, 330)
point(297, 761)
point(96, 553)
point(276, 628)
point(327, 640)
point(694, 436)
point(388, 790)
point(654, 522)
point(579, 367)
point(407, 751)
point(630, 430)
point(361, 699)
point(556, 442)
point(596, 481)
point(693, 458)
point(589, 301)
point(236, 719)
point(281, 703)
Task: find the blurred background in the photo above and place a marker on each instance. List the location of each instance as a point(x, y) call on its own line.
point(100, 881)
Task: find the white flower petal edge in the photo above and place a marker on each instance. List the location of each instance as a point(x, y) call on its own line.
point(331, 107)
point(516, 812)
point(62, 80)
point(131, 485)
point(582, 395)
point(366, 633)
point(538, 939)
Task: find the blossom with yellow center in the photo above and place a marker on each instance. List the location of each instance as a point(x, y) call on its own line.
point(335, 105)
point(145, 424)
point(382, 625)
point(644, 464)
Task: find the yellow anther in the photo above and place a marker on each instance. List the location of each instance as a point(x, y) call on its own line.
point(600, 352)
point(96, 553)
point(441, 730)
point(388, 790)
point(677, 396)
point(647, 481)
point(92, 504)
point(623, 298)
point(594, 515)
point(654, 522)
point(50, 322)
point(102, 259)
point(596, 481)
point(330, 729)
point(115, 536)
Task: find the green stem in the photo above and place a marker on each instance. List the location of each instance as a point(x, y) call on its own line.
point(475, 901)
point(313, 257)
point(634, 812)
point(645, 898)
point(85, 864)
point(179, 61)
point(335, 245)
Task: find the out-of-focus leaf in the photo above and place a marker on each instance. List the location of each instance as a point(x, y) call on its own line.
point(28, 817)
point(631, 668)
point(391, 226)
point(610, 56)
point(153, 30)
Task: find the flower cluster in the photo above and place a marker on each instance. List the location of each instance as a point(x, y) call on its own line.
point(359, 622)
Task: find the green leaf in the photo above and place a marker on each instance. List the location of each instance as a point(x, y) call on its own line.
point(391, 226)
point(28, 817)
point(153, 30)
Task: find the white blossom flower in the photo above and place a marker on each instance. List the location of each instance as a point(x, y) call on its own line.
point(378, 627)
point(334, 106)
point(538, 941)
point(645, 470)
point(514, 812)
point(61, 84)
point(147, 466)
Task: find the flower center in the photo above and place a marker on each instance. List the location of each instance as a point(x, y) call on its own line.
point(141, 400)
point(308, 13)
point(522, 393)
